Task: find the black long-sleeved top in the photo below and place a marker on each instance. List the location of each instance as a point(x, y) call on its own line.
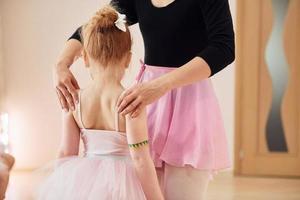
point(175, 34)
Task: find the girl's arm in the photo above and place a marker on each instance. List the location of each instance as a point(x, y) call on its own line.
point(70, 136)
point(136, 129)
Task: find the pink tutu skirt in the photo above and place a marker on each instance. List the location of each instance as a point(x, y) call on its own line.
point(91, 178)
point(186, 126)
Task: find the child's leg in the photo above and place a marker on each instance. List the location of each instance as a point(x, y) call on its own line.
point(6, 163)
point(185, 183)
point(4, 176)
point(7, 160)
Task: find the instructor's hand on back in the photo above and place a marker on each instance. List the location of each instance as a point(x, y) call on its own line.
point(66, 88)
point(65, 84)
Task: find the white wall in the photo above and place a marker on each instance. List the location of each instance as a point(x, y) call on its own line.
point(224, 84)
point(34, 32)
point(1, 67)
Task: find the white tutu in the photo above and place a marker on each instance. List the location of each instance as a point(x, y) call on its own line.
point(92, 178)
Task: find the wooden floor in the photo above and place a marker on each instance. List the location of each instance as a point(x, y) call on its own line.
point(229, 187)
point(224, 187)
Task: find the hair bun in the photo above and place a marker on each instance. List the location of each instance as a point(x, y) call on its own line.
point(102, 39)
point(104, 19)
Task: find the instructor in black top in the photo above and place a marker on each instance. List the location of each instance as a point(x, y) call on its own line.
point(194, 36)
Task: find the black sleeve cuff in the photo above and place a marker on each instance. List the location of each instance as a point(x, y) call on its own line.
point(77, 35)
point(216, 58)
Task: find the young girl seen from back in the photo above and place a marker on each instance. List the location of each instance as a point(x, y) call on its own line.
point(116, 164)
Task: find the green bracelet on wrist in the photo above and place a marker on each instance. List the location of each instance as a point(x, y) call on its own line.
point(137, 145)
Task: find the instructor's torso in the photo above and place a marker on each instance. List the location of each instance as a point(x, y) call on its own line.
point(173, 34)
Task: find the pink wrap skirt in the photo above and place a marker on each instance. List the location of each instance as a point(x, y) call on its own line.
point(185, 125)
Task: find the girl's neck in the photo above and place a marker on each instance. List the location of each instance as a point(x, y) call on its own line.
point(106, 77)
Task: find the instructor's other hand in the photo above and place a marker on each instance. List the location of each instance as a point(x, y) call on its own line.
point(133, 100)
point(66, 88)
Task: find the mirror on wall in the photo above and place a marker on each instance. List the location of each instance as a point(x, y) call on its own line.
point(278, 69)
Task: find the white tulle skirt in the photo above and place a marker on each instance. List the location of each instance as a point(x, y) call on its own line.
point(91, 178)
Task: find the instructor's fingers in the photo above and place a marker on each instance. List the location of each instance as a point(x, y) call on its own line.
point(67, 96)
point(62, 100)
point(70, 87)
point(126, 102)
point(122, 96)
point(75, 83)
point(137, 111)
point(131, 106)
